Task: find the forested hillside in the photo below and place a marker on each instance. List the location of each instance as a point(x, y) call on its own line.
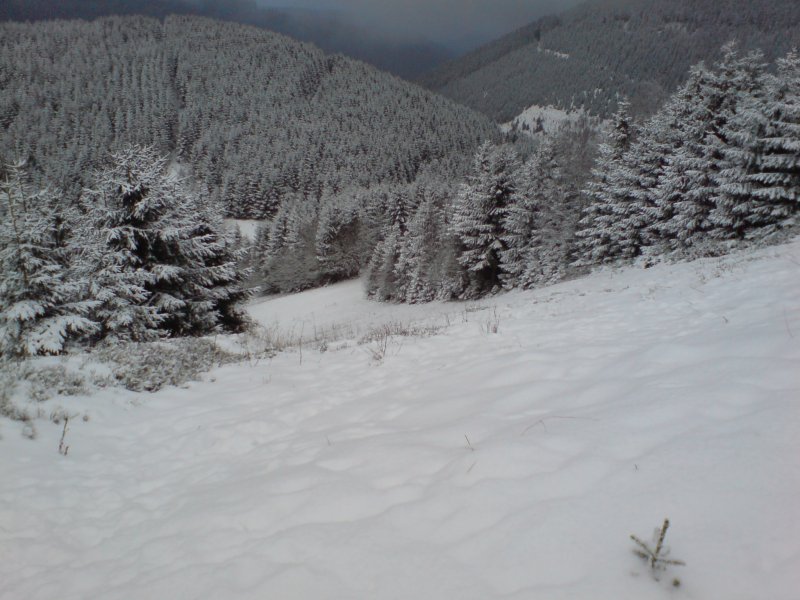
point(352, 171)
point(328, 30)
point(716, 167)
point(590, 56)
point(257, 116)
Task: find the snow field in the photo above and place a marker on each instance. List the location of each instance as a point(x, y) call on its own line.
point(468, 464)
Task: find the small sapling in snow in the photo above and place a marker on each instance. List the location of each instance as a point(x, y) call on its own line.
point(657, 558)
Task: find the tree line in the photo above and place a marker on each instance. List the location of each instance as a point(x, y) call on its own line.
point(716, 167)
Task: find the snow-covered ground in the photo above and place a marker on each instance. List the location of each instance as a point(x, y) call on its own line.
point(469, 464)
point(342, 311)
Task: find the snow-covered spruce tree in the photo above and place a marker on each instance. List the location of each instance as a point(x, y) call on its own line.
point(479, 213)
point(158, 260)
point(210, 285)
point(779, 196)
point(536, 251)
point(290, 260)
point(41, 305)
point(337, 239)
point(760, 184)
point(547, 259)
point(383, 281)
point(685, 191)
point(739, 81)
point(596, 240)
point(634, 206)
point(427, 261)
point(381, 278)
point(413, 258)
point(518, 225)
point(116, 256)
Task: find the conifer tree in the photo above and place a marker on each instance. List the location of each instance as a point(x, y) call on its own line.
point(158, 259)
point(383, 280)
point(546, 256)
point(125, 207)
point(337, 238)
point(427, 260)
point(532, 227)
point(209, 287)
point(635, 208)
point(41, 303)
point(685, 193)
point(760, 184)
point(779, 198)
point(479, 213)
point(290, 262)
point(597, 241)
point(739, 81)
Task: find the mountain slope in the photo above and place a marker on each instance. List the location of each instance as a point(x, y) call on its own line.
point(588, 56)
point(258, 116)
point(328, 30)
point(466, 465)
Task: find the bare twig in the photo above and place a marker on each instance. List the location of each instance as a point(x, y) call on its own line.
point(300, 343)
point(543, 419)
point(63, 449)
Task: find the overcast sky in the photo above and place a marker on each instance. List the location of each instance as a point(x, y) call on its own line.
point(463, 22)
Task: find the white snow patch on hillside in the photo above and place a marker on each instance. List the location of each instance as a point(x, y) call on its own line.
point(536, 120)
point(467, 465)
point(247, 227)
point(555, 53)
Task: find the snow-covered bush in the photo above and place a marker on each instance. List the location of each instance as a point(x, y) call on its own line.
point(148, 367)
point(400, 329)
point(26, 384)
point(54, 380)
point(9, 379)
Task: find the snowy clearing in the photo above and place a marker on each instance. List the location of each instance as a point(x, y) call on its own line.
point(342, 311)
point(467, 464)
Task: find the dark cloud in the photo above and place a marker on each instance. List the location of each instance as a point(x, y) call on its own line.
point(462, 23)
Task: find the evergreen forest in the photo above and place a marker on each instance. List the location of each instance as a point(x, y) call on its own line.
point(126, 142)
point(603, 51)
